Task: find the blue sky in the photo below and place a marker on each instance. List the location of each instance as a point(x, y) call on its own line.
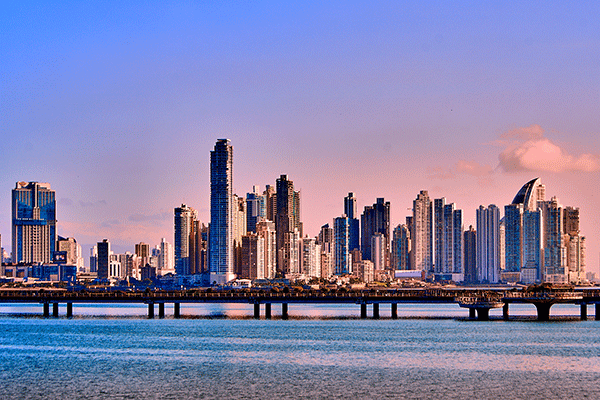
point(118, 106)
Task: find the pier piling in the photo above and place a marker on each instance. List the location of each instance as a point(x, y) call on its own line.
point(394, 310)
point(176, 310)
point(375, 310)
point(268, 310)
point(284, 310)
point(55, 310)
point(363, 310)
point(69, 310)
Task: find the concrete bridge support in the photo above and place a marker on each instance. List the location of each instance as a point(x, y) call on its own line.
point(375, 310)
point(505, 312)
point(268, 310)
point(46, 310)
point(150, 310)
point(394, 310)
point(583, 311)
point(483, 314)
point(257, 310)
point(597, 312)
point(69, 310)
point(363, 310)
point(472, 313)
point(55, 310)
point(543, 311)
point(161, 310)
point(177, 310)
point(284, 311)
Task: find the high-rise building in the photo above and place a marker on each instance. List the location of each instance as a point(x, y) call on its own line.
point(166, 258)
point(401, 248)
point(327, 241)
point(311, 257)
point(198, 252)
point(220, 240)
point(266, 230)
point(353, 221)
point(523, 234)
point(488, 244)
point(421, 234)
point(470, 255)
point(103, 263)
point(33, 223)
point(438, 234)
point(287, 223)
point(256, 209)
point(448, 233)
point(253, 258)
point(184, 217)
point(375, 219)
point(73, 251)
point(342, 258)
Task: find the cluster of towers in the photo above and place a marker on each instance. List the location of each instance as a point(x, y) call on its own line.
point(261, 236)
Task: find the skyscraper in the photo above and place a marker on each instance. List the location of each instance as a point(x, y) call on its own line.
point(488, 244)
point(421, 235)
point(287, 223)
point(342, 258)
point(470, 241)
point(220, 239)
point(401, 248)
point(103, 263)
point(353, 222)
point(375, 219)
point(184, 218)
point(33, 222)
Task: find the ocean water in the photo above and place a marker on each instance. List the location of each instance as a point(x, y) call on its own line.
point(219, 351)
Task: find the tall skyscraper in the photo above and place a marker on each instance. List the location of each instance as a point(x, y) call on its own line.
point(184, 218)
point(421, 235)
point(220, 243)
point(438, 234)
point(401, 248)
point(289, 228)
point(470, 241)
point(33, 223)
point(353, 222)
point(342, 258)
point(166, 258)
point(103, 263)
point(523, 230)
point(255, 209)
point(375, 219)
point(488, 244)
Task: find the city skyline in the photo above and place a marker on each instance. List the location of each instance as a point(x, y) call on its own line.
point(340, 99)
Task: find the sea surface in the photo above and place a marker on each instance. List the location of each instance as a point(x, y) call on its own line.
point(323, 351)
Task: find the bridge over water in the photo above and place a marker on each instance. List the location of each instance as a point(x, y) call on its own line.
point(478, 301)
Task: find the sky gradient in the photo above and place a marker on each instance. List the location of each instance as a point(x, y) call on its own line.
point(117, 106)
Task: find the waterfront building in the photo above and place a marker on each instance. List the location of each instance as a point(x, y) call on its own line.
point(401, 248)
point(421, 233)
point(438, 235)
point(255, 209)
point(375, 219)
point(378, 251)
point(166, 258)
point(327, 240)
point(253, 258)
point(488, 244)
point(353, 222)
point(311, 257)
point(103, 263)
point(33, 223)
point(470, 255)
point(342, 258)
point(184, 217)
point(220, 246)
point(266, 230)
point(239, 224)
point(72, 250)
point(198, 254)
point(287, 223)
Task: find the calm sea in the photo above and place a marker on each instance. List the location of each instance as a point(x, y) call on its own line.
point(219, 351)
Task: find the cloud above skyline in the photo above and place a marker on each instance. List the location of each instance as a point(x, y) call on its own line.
point(527, 149)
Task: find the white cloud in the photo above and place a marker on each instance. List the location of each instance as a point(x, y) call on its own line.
point(526, 149)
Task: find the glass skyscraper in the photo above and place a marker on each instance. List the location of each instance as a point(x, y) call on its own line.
point(220, 239)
